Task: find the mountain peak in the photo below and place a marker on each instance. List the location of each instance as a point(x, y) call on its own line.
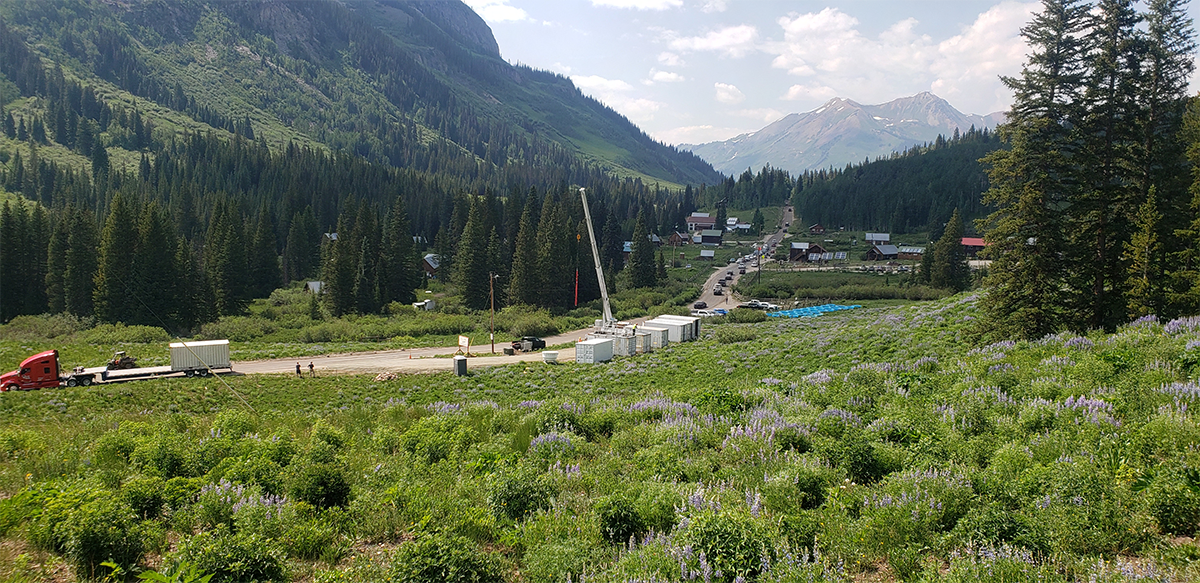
point(841, 132)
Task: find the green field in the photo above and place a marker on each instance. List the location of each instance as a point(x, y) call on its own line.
point(873, 444)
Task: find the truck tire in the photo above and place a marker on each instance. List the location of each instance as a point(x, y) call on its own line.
point(189, 373)
point(202, 372)
point(11, 388)
point(86, 381)
point(72, 382)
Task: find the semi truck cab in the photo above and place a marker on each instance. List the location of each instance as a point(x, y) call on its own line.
point(37, 372)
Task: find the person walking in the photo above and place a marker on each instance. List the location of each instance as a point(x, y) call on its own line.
point(298, 370)
point(311, 372)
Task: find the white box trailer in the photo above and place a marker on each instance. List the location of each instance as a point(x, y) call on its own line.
point(692, 322)
point(659, 337)
point(642, 342)
point(200, 355)
point(594, 350)
point(676, 331)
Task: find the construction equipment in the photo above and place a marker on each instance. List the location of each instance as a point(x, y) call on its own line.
point(121, 361)
point(608, 326)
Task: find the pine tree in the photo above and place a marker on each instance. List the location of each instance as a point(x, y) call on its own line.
point(12, 241)
point(660, 267)
point(57, 259)
point(399, 270)
point(554, 247)
point(1101, 209)
point(339, 270)
point(1033, 180)
point(81, 263)
point(641, 256)
point(112, 299)
point(524, 281)
point(471, 269)
point(759, 222)
point(1146, 279)
point(225, 260)
point(949, 266)
point(155, 278)
point(262, 261)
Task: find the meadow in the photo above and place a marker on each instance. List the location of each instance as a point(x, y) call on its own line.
point(873, 444)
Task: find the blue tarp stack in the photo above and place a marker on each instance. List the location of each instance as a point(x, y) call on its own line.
point(810, 312)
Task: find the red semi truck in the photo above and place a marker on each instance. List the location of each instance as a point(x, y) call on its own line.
point(42, 370)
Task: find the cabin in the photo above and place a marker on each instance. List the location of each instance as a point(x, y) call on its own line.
point(910, 253)
point(816, 229)
point(314, 287)
point(708, 254)
point(430, 264)
point(700, 222)
point(973, 245)
point(877, 238)
point(805, 251)
point(677, 238)
point(883, 253)
point(711, 237)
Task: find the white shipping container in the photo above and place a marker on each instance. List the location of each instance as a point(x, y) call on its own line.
point(643, 343)
point(692, 322)
point(675, 330)
point(593, 351)
point(199, 355)
point(659, 337)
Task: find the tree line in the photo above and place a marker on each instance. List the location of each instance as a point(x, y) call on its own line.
point(1097, 213)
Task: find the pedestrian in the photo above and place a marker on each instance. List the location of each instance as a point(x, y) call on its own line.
point(311, 372)
point(298, 370)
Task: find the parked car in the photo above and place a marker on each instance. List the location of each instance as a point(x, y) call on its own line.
point(527, 343)
point(703, 313)
point(720, 311)
point(717, 291)
point(699, 305)
point(741, 270)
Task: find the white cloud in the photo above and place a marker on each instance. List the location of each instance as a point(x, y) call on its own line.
point(698, 134)
point(727, 93)
point(497, 10)
point(733, 41)
point(829, 50)
point(765, 115)
point(670, 59)
point(600, 84)
point(714, 6)
point(639, 4)
point(810, 93)
point(657, 76)
point(615, 94)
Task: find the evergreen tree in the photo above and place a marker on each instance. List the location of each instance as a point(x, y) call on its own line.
point(79, 272)
point(399, 270)
point(339, 269)
point(112, 299)
point(100, 163)
point(366, 280)
point(641, 256)
point(1102, 207)
point(57, 259)
point(949, 266)
point(10, 127)
point(554, 247)
point(524, 283)
point(1033, 180)
point(225, 260)
point(1146, 279)
point(12, 241)
point(612, 244)
point(471, 269)
point(302, 254)
point(262, 261)
point(759, 223)
point(155, 278)
point(660, 268)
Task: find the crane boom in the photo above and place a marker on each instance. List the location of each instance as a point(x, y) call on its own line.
point(608, 316)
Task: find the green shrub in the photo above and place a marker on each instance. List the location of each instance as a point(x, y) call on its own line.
point(233, 557)
point(234, 423)
point(745, 316)
point(556, 561)
point(258, 471)
point(734, 335)
point(100, 530)
point(444, 558)
point(436, 437)
point(322, 485)
point(145, 495)
point(733, 543)
point(720, 401)
point(1173, 496)
point(312, 540)
point(164, 455)
point(619, 519)
point(797, 487)
point(517, 494)
point(110, 334)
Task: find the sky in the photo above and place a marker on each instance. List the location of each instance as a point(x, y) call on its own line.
point(696, 71)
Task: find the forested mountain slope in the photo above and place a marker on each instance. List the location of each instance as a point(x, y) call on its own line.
point(413, 84)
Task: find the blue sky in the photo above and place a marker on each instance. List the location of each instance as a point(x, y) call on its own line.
point(694, 71)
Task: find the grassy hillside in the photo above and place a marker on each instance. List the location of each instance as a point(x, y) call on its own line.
point(412, 84)
point(870, 444)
